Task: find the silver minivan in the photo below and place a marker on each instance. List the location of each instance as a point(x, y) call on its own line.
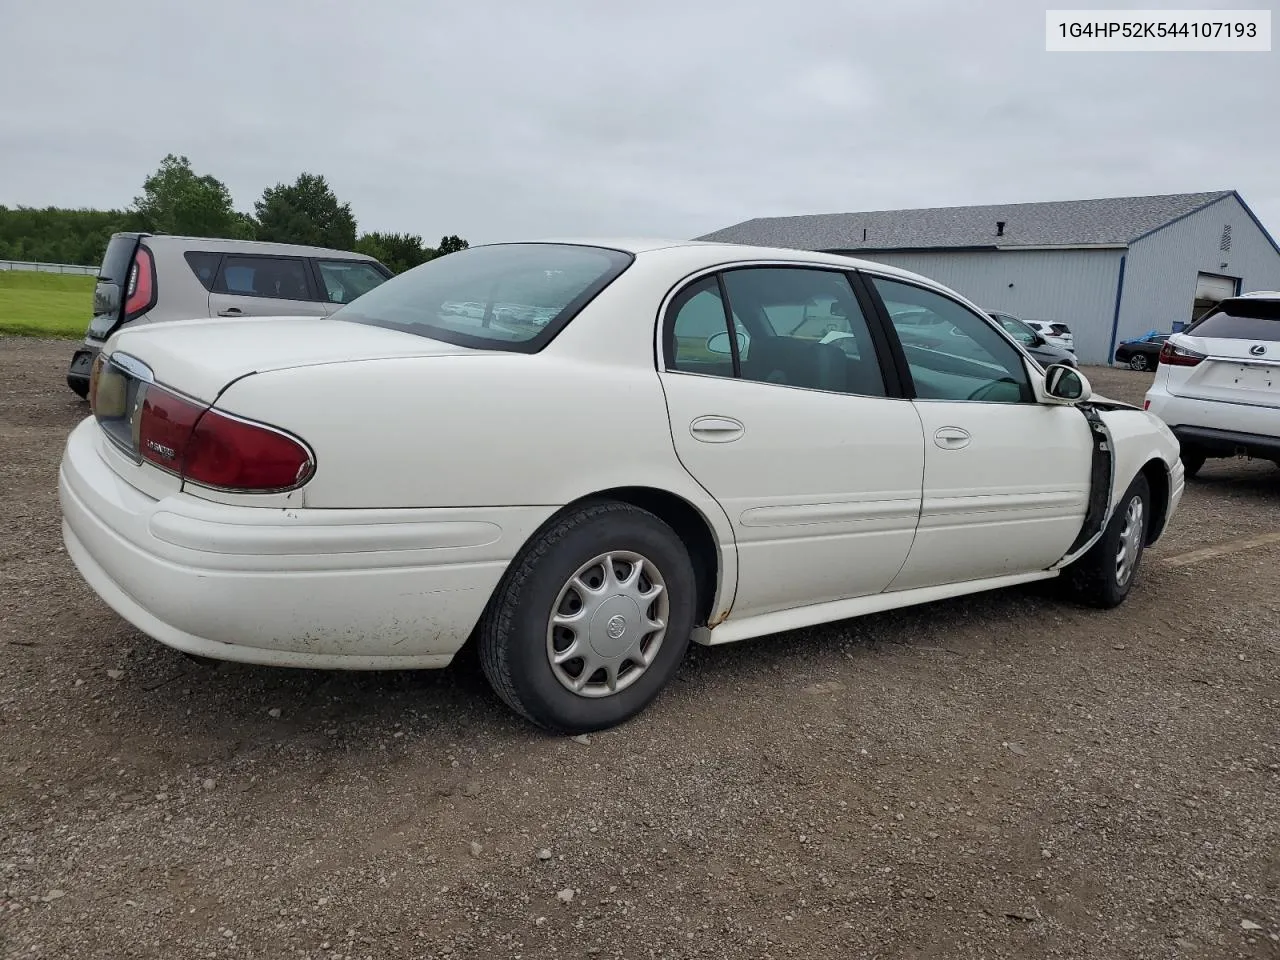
point(147, 278)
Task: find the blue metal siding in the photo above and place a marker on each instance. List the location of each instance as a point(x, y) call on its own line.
point(1076, 287)
point(1160, 280)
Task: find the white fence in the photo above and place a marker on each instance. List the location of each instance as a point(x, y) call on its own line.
point(48, 267)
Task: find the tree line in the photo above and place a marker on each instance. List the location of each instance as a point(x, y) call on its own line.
point(176, 200)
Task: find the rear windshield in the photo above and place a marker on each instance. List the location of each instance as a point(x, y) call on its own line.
point(514, 296)
point(1241, 320)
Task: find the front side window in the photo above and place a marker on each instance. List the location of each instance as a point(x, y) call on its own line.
point(278, 278)
point(514, 296)
point(344, 280)
point(953, 353)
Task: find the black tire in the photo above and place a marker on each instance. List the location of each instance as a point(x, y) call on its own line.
point(1192, 460)
point(512, 638)
point(1139, 362)
point(1093, 580)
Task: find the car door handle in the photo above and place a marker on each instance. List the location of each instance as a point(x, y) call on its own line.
point(951, 438)
point(230, 312)
point(716, 429)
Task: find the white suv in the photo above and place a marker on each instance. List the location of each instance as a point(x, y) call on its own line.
point(1059, 334)
point(1218, 382)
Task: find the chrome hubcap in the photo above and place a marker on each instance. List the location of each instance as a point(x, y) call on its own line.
point(607, 624)
point(1130, 541)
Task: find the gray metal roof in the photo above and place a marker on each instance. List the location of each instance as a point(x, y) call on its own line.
point(1118, 220)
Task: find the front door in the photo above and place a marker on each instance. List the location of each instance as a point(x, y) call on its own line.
point(264, 286)
point(789, 427)
point(1006, 479)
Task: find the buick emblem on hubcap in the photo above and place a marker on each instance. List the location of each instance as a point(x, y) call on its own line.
point(1257, 349)
point(617, 626)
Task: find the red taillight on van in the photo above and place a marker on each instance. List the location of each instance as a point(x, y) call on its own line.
point(215, 449)
point(1179, 356)
point(140, 292)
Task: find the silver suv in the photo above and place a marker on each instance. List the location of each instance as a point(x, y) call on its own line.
point(148, 278)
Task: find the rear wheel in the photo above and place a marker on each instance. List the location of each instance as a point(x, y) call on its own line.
point(592, 619)
point(1103, 576)
point(1139, 361)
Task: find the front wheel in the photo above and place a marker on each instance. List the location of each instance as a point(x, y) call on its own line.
point(1105, 574)
point(591, 620)
point(1139, 362)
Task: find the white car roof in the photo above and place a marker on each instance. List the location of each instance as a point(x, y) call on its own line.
point(712, 253)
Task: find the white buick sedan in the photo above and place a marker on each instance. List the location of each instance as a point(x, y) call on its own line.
point(626, 447)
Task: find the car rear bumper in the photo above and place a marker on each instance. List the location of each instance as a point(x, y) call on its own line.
point(1216, 427)
point(80, 368)
point(1228, 443)
point(345, 589)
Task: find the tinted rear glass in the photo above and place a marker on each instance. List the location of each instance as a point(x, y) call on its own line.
point(1241, 320)
point(506, 296)
point(204, 266)
point(118, 258)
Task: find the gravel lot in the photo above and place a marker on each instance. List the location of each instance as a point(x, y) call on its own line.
point(1000, 776)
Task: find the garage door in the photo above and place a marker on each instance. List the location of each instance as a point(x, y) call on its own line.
point(1210, 288)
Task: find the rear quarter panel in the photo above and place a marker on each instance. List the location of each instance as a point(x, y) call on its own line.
point(471, 430)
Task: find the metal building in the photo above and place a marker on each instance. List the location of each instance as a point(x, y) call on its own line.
point(1110, 269)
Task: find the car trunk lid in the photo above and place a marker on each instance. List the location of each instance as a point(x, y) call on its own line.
point(201, 357)
point(152, 385)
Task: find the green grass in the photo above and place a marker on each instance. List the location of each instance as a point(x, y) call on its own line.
point(45, 304)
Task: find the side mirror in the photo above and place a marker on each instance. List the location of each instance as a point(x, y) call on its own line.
point(719, 343)
point(1063, 384)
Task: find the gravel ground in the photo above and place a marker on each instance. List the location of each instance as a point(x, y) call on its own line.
point(999, 776)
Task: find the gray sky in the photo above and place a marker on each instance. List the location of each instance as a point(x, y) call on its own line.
point(500, 120)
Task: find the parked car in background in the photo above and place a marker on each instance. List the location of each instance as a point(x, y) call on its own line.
point(1046, 353)
point(1218, 382)
point(688, 461)
point(1056, 333)
point(149, 278)
point(1141, 353)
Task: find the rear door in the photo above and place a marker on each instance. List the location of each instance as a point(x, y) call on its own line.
point(341, 281)
point(794, 429)
point(1239, 343)
point(249, 285)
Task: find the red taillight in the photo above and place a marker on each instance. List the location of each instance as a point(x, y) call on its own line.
point(140, 294)
point(234, 454)
point(1146, 404)
point(164, 427)
point(1179, 356)
point(214, 449)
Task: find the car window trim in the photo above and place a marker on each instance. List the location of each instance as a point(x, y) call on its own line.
point(220, 277)
point(896, 387)
point(900, 353)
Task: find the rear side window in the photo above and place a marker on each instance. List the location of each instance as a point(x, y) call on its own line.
point(1241, 320)
point(279, 278)
point(513, 296)
point(344, 280)
point(204, 266)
